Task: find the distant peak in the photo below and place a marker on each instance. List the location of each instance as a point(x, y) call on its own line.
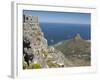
point(78, 37)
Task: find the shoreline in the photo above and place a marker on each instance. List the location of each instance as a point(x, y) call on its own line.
point(59, 43)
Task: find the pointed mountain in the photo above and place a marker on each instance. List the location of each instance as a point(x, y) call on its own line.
point(76, 50)
point(78, 37)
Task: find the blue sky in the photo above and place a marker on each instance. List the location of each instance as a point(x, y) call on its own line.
point(60, 17)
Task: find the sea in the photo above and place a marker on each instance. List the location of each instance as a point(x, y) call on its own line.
point(57, 32)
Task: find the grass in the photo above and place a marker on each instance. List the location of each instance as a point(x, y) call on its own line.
point(31, 66)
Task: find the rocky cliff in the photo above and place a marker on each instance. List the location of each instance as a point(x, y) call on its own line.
point(36, 52)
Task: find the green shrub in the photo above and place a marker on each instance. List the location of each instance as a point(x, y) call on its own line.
point(31, 66)
point(35, 66)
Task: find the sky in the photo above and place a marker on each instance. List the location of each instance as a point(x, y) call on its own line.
point(60, 17)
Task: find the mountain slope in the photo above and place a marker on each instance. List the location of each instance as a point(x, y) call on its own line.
point(76, 50)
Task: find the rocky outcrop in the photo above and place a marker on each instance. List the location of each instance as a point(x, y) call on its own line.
point(36, 52)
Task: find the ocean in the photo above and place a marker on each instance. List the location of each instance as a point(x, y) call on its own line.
point(57, 32)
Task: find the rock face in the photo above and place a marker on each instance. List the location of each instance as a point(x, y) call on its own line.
point(36, 52)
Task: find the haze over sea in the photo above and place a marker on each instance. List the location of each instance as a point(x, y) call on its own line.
point(57, 32)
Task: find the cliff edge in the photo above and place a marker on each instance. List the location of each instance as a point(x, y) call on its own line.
point(36, 52)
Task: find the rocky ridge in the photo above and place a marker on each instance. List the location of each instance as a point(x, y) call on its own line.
point(36, 52)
